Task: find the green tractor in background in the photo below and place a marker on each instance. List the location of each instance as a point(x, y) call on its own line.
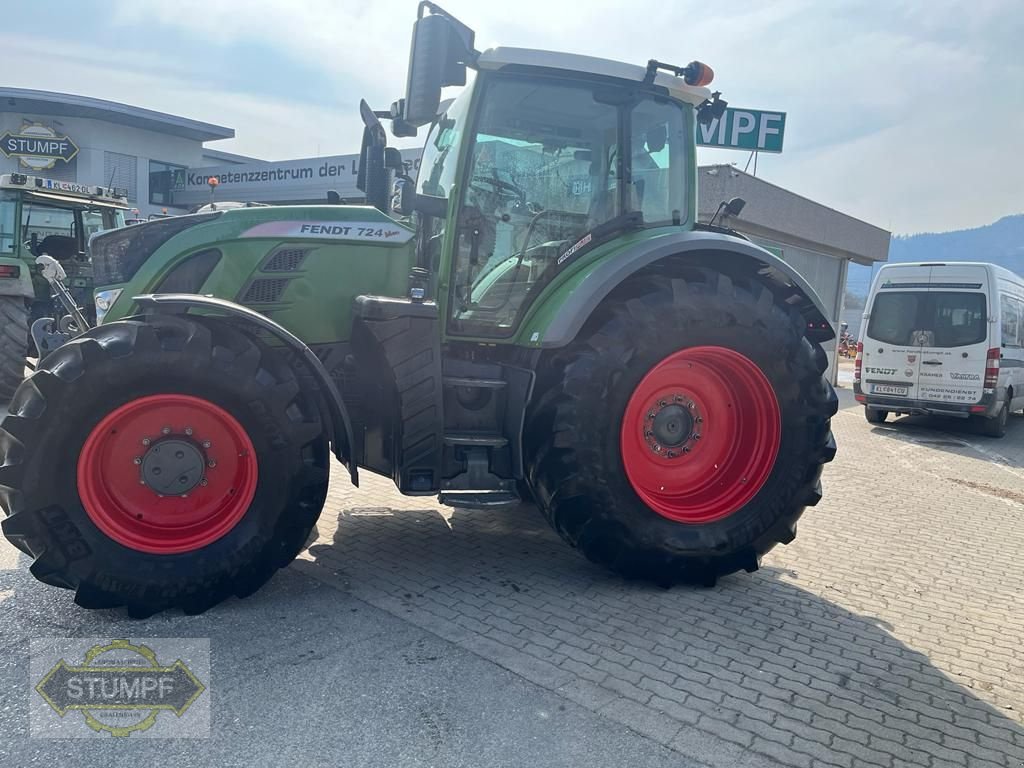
point(39, 217)
point(542, 318)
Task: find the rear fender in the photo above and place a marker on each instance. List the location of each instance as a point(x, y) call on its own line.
point(339, 423)
point(20, 285)
point(776, 274)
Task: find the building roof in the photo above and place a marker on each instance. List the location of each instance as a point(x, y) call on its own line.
point(778, 214)
point(220, 156)
point(70, 105)
point(496, 58)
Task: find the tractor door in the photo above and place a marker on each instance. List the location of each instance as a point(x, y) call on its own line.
point(555, 167)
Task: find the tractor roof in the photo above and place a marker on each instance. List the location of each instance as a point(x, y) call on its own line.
point(496, 58)
point(64, 191)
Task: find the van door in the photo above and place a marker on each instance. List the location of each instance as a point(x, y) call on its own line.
point(890, 358)
point(955, 341)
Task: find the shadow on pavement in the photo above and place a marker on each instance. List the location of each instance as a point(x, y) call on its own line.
point(959, 436)
point(754, 654)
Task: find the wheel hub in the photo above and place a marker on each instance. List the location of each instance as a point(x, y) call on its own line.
point(700, 434)
point(672, 425)
point(173, 467)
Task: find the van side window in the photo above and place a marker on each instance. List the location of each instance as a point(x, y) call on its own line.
point(1013, 309)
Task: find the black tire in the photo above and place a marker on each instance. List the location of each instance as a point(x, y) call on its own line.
point(995, 426)
point(874, 416)
point(14, 342)
point(55, 411)
point(575, 464)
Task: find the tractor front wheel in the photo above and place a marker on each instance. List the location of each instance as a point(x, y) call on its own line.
point(163, 463)
point(682, 434)
point(14, 343)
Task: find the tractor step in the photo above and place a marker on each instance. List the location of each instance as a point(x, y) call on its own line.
point(482, 440)
point(460, 381)
point(477, 499)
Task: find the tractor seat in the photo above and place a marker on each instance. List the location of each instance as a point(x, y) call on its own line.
point(61, 247)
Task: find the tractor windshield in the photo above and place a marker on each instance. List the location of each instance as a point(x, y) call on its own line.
point(554, 167)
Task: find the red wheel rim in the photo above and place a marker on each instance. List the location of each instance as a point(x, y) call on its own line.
point(167, 473)
point(700, 434)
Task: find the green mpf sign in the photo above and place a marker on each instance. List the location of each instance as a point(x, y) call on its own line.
point(750, 129)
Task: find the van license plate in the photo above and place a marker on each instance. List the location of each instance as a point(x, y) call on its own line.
point(888, 389)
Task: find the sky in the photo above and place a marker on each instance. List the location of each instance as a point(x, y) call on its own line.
point(909, 115)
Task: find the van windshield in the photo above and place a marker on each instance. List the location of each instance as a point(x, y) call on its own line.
point(928, 318)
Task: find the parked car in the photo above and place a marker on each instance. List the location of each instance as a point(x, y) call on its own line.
point(944, 339)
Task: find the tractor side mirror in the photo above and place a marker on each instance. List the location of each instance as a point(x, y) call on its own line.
point(409, 201)
point(393, 159)
point(735, 206)
point(372, 175)
point(442, 46)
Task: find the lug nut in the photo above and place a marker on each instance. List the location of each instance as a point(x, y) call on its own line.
point(686, 449)
point(204, 482)
point(657, 449)
point(699, 419)
point(137, 460)
point(211, 463)
point(165, 431)
point(697, 436)
point(145, 441)
point(206, 443)
point(188, 430)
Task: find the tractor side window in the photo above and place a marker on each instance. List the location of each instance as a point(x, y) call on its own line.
point(543, 173)
point(8, 244)
point(92, 223)
point(437, 170)
point(658, 137)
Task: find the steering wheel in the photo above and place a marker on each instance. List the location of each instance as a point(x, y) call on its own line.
point(499, 187)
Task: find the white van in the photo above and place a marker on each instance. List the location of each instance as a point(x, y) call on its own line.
point(944, 339)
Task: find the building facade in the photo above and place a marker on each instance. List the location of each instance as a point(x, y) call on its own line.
point(92, 141)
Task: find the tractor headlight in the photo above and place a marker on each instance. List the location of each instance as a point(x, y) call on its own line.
point(104, 301)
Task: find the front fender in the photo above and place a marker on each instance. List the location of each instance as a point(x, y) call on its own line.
point(569, 317)
point(20, 285)
point(340, 423)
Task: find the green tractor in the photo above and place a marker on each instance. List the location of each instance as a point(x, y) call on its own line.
point(40, 217)
point(541, 318)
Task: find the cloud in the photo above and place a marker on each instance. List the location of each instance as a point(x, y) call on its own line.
point(903, 113)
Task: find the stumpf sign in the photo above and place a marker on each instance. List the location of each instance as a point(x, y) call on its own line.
point(751, 129)
point(38, 147)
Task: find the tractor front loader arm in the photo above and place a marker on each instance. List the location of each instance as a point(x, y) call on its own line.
point(340, 424)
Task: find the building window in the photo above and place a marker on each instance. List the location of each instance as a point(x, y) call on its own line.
point(121, 172)
point(162, 181)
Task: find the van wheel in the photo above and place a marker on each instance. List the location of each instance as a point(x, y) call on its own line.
point(874, 416)
point(995, 426)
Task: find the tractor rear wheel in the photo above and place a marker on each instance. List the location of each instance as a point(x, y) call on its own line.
point(683, 432)
point(14, 343)
point(163, 463)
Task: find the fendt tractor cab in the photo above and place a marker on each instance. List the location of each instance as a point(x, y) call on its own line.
point(44, 216)
point(543, 319)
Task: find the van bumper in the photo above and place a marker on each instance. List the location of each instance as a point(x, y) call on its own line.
point(986, 407)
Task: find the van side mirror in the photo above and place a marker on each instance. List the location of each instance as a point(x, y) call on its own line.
point(442, 46)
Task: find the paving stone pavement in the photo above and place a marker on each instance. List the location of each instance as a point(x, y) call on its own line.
point(889, 633)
